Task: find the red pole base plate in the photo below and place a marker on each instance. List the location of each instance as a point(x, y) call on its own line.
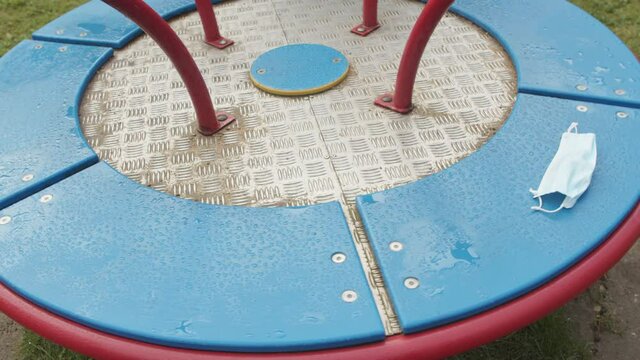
point(364, 30)
point(220, 43)
point(386, 101)
point(224, 119)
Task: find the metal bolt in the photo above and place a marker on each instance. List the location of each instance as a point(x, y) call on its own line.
point(387, 99)
point(582, 87)
point(63, 49)
point(222, 42)
point(338, 258)
point(222, 117)
point(60, 31)
point(360, 29)
point(262, 71)
point(337, 60)
point(396, 246)
point(5, 220)
point(622, 115)
point(27, 178)
point(620, 92)
point(46, 198)
point(349, 296)
point(411, 283)
point(38, 46)
point(582, 108)
point(83, 34)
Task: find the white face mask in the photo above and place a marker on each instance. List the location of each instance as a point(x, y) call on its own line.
point(570, 170)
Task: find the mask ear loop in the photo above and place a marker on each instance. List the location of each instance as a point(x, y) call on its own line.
point(573, 128)
point(539, 207)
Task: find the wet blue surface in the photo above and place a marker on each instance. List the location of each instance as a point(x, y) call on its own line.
point(469, 234)
point(128, 260)
point(556, 47)
point(40, 90)
point(96, 23)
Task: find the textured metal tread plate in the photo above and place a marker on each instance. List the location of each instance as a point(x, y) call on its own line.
point(304, 150)
point(96, 23)
point(41, 85)
point(469, 236)
point(559, 50)
point(122, 258)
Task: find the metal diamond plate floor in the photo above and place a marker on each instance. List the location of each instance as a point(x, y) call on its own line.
point(138, 117)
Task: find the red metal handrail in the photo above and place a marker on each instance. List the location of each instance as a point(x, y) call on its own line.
point(369, 18)
point(157, 28)
point(210, 24)
point(430, 17)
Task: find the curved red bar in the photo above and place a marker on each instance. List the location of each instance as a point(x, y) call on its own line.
point(153, 24)
point(210, 24)
point(438, 343)
point(430, 17)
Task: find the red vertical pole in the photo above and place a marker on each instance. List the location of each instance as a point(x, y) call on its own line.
point(369, 18)
point(431, 15)
point(153, 24)
point(210, 24)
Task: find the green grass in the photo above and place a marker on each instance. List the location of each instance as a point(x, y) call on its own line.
point(550, 338)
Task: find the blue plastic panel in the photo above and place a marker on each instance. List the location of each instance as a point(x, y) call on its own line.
point(556, 47)
point(125, 259)
point(299, 69)
point(469, 234)
point(41, 85)
point(96, 23)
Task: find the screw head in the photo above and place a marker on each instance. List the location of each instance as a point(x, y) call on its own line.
point(411, 283)
point(5, 220)
point(582, 108)
point(349, 296)
point(27, 177)
point(338, 258)
point(83, 34)
point(59, 31)
point(337, 60)
point(223, 117)
point(620, 92)
point(261, 71)
point(361, 29)
point(387, 99)
point(222, 42)
point(63, 49)
point(622, 114)
point(38, 46)
point(46, 198)
point(582, 87)
point(396, 246)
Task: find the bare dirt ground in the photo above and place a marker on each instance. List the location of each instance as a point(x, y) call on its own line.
point(607, 317)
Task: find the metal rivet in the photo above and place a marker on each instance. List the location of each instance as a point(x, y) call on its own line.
point(411, 283)
point(582, 87)
point(38, 46)
point(63, 49)
point(387, 99)
point(338, 258)
point(349, 296)
point(60, 31)
point(582, 108)
point(262, 71)
point(222, 42)
point(46, 198)
point(83, 34)
point(622, 115)
point(27, 178)
point(222, 117)
point(396, 246)
point(620, 92)
point(5, 220)
point(360, 29)
point(337, 60)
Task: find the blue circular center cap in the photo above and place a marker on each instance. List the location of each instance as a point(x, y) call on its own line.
point(300, 69)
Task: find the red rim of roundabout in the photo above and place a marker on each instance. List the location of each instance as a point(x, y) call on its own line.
point(431, 344)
